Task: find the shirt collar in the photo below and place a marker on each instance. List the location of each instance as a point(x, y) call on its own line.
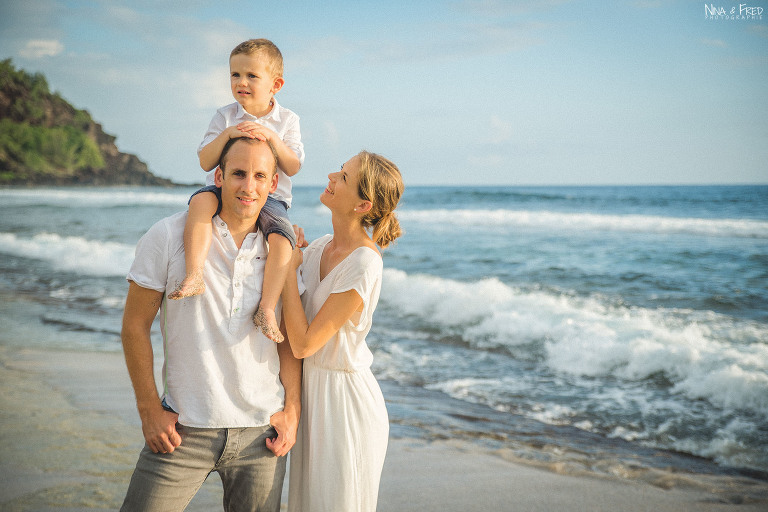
point(273, 115)
point(222, 231)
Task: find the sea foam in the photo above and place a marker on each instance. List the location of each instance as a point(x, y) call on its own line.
point(702, 355)
point(74, 254)
point(79, 198)
point(739, 228)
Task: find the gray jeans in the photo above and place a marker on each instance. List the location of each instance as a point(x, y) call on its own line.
point(251, 474)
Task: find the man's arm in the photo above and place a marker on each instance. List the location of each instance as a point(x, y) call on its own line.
point(157, 424)
point(286, 422)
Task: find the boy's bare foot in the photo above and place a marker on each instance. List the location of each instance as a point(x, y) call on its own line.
point(192, 285)
point(265, 318)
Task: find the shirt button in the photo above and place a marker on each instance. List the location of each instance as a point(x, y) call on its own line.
point(224, 235)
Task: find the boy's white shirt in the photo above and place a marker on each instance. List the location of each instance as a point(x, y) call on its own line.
point(280, 120)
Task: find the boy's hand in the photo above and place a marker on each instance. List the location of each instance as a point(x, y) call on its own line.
point(256, 131)
point(234, 132)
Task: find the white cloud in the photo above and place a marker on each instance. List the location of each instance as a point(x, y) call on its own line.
point(759, 30)
point(718, 43)
point(39, 48)
point(209, 88)
point(317, 53)
point(124, 17)
point(486, 161)
point(648, 4)
point(331, 134)
point(460, 41)
point(508, 7)
point(501, 131)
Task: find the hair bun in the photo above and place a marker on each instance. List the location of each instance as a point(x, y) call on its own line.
point(380, 183)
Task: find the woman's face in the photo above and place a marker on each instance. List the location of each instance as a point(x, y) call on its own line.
point(341, 194)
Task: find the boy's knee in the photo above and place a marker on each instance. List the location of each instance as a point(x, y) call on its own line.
point(205, 198)
point(281, 239)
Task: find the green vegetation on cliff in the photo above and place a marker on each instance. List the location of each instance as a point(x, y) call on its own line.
point(46, 141)
point(46, 150)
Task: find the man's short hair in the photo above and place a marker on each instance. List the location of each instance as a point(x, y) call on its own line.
point(248, 140)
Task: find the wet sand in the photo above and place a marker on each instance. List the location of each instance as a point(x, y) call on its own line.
point(71, 435)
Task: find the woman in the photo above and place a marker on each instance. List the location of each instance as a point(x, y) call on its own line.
point(342, 440)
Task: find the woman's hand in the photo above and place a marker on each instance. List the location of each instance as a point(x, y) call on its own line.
point(297, 257)
point(301, 242)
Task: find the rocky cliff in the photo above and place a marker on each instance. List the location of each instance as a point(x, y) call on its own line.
point(46, 141)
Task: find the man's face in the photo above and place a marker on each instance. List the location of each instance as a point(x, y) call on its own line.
point(248, 178)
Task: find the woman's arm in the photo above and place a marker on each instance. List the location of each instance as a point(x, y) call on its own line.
point(286, 422)
point(306, 339)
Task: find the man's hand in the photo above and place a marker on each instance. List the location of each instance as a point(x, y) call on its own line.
point(159, 428)
point(286, 426)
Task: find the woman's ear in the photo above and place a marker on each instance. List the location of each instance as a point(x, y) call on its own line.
point(364, 207)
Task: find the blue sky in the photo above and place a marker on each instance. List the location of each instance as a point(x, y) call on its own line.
point(455, 92)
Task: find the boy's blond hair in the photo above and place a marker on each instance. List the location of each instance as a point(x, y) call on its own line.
point(264, 47)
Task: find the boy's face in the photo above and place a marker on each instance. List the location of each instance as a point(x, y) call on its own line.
point(253, 83)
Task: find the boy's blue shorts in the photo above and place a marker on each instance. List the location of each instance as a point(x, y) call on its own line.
point(272, 219)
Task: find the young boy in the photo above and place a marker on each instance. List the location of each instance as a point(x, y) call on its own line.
point(256, 74)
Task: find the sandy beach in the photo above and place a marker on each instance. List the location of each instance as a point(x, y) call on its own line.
point(71, 435)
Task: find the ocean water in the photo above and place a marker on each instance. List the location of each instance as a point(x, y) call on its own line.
point(616, 323)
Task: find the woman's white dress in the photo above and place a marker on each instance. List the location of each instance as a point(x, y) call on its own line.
point(342, 440)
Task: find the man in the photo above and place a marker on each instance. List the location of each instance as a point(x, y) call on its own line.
point(227, 390)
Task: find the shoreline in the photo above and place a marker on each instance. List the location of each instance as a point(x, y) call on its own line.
point(560, 448)
point(72, 436)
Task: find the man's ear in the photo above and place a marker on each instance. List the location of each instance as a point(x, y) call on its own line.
point(218, 177)
point(275, 177)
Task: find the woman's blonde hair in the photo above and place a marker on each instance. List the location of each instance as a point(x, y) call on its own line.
point(380, 182)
